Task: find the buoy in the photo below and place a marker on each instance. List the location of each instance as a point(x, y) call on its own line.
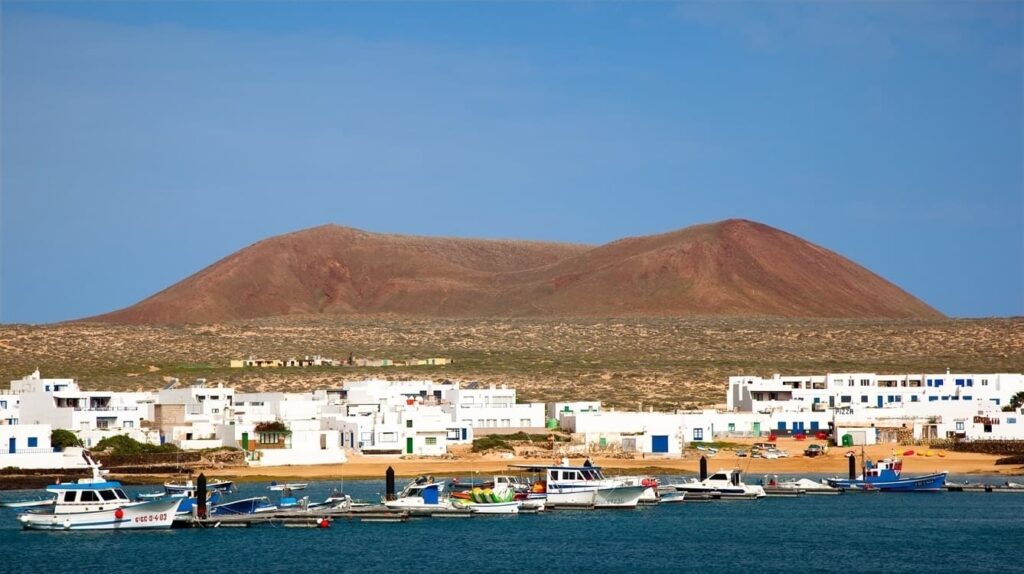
point(323, 523)
point(119, 514)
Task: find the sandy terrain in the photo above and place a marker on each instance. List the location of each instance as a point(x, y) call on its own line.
point(833, 462)
point(666, 363)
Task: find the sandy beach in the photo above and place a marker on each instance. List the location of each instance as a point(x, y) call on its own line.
point(833, 462)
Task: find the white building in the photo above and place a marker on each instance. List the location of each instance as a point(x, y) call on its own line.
point(62, 404)
point(493, 407)
point(641, 432)
point(557, 410)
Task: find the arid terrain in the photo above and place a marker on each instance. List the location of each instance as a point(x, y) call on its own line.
point(662, 362)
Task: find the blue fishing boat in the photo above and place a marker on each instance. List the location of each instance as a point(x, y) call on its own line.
point(886, 475)
point(243, 506)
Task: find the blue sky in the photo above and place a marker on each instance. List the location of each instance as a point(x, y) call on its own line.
point(143, 141)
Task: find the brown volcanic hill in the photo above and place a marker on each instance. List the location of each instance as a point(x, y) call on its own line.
point(733, 267)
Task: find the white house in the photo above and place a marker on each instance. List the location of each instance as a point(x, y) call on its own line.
point(493, 407)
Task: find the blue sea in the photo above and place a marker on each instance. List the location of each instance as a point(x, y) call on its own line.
point(890, 533)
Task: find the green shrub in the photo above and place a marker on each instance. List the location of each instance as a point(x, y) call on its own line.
point(493, 442)
point(124, 444)
point(63, 438)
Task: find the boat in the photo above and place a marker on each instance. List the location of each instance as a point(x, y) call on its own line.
point(887, 475)
point(222, 485)
point(422, 493)
point(582, 486)
point(501, 500)
point(98, 504)
point(254, 505)
point(724, 484)
point(497, 481)
point(288, 486)
point(35, 503)
point(808, 486)
point(650, 484)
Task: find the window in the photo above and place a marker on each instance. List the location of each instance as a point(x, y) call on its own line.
point(506, 423)
point(388, 437)
point(1011, 420)
point(430, 441)
point(968, 397)
point(732, 427)
point(913, 398)
point(3, 404)
point(121, 494)
point(865, 382)
point(89, 496)
point(930, 399)
point(845, 399)
point(128, 424)
point(698, 434)
point(970, 382)
point(960, 426)
point(69, 496)
point(524, 422)
point(960, 382)
point(782, 425)
point(938, 382)
point(863, 398)
point(984, 382)
point(108, 495)
point(408, 424)
point(33, 442)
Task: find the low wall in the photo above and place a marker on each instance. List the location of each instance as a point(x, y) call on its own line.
point(1003, 447)
point(498, 431)
point(291, 457)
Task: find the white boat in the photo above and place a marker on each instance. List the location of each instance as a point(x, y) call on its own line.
point(27, 503)
point(419, 495)
point(650, 484)
point(98, 504)
point(289, 486)
point(493, 507)
point(176, 487)
point(584, 486)
point(808, 486)
point(725, 484)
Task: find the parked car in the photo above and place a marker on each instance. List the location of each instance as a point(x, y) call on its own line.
point(814, 450)
point(741, 453)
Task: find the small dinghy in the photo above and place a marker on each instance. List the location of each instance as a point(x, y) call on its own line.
point(36, 503)
point(275, 487)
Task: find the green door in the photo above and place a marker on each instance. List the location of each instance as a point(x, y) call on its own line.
point(408, 445)
point(757, 429)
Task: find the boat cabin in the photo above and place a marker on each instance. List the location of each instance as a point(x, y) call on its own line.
point(94, 497)
point(887, 469)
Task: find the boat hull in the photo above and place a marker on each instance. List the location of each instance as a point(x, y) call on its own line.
point(619, 496)
point(142, 515)
point(495, 507)
point(924, 483)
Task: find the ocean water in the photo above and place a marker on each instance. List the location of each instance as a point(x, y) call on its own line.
point(891, 533)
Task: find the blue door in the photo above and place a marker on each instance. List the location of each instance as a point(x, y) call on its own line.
point(11, 448)
point(659, 443)
point(814, 425)
point(879, 401)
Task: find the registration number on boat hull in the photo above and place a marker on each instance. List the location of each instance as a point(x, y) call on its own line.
point(151, 518)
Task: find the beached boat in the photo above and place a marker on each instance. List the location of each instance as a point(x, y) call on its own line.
point(583, 486)
point(886, 475)
point(725, 484)
point(98, 504)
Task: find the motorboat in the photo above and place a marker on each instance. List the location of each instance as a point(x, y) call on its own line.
point(650, 484)
point(421, 494)
point(724, 484)
point(583, 486)
point(498, 481)
point(252, 505)
point(288, 486)
point(98, 504)
point(187, 485)
point(887, 475)
point(808, 486)
point(501, 500)
point(34, 503)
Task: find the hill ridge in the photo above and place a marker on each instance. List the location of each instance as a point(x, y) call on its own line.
point(730, 267)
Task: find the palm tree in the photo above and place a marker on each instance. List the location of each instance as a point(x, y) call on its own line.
point(1016, 402)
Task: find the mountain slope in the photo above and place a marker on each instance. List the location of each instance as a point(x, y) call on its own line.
point(734, 267)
